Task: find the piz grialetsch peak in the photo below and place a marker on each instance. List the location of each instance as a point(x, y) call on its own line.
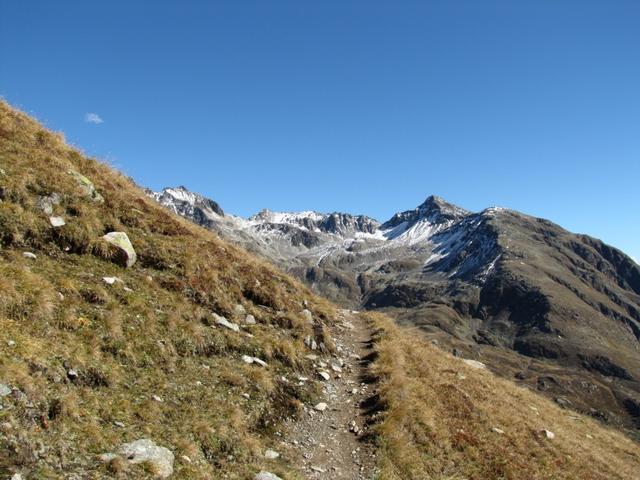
point(557, 311)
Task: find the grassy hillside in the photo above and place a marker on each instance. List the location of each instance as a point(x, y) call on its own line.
point(92, 365)
point(444, 419)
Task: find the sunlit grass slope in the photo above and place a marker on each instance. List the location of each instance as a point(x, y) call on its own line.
point(444, 419)
point(92, 365)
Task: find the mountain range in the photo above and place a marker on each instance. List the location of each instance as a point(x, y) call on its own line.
point(556, 311)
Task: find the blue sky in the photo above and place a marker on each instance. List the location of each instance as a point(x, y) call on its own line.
point(359, 106)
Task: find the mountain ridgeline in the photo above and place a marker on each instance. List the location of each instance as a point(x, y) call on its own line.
point(557, 311)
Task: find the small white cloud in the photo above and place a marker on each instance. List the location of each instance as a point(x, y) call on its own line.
point(93, 118)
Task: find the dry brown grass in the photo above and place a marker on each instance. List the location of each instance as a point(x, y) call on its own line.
point(439, 415)
point(56, 313)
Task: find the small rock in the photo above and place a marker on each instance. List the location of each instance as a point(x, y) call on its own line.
point(72, 374)
point(474, 363)
point(46, 203)
point(4, 390)
point(497, 430)
point(307, 315)
point(185, 458)
point(266, 476)
point(250, 320)
point(250, 360)
point(86, 186)
point(245, 395)
point(310, 342)
point(107, 457)
point(220, 320)
point(30, 255)
point(121, 241)
point(324, 375)
point(118, 424)
point(156, 398)
point(336, 368)
point(321, 407)
point(549, 434)
point(57, 222)
point(271, 455)
point(60, 296)
point(11, 343)
point(146, 451)
point(17, 476)
point(353, 427)
point(318, 469)
point(110, 280)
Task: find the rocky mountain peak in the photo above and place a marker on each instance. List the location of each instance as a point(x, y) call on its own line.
point(434, 209)
point(194, 206)
point(439, 209)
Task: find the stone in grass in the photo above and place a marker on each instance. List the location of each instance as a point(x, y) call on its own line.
point(266, 476)
point(250, 360)
point(86, 186)
point(29, 255)
point(271, 454)
point(57, 222)
point(250, 320)
point(145, 451)
point(321, 407)
point(127, 255)
point(475, 364)
point(4, 390)
point(548, 434)
point(46, 203)
point(324, 375)
point(307, 315)
point(220, 320)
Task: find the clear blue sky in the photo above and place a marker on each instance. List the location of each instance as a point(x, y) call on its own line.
point(366, 107)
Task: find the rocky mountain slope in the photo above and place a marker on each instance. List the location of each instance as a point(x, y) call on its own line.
point(560, 312)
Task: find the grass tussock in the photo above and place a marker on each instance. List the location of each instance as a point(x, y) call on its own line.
point(442, 419)
point(93, 365)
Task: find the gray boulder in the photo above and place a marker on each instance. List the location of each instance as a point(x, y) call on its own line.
point(121, 241)
point(146, 451)
point(86, 186)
